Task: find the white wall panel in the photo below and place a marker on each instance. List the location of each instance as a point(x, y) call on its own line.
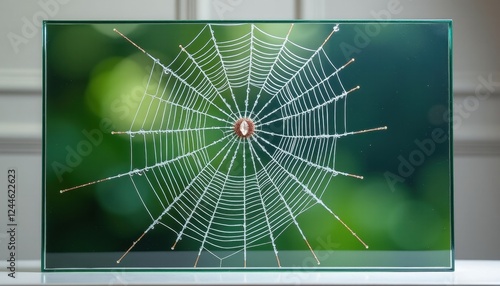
point(476, 207)
point(247, 9)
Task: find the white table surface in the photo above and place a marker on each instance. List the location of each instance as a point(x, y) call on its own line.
point(467, 272)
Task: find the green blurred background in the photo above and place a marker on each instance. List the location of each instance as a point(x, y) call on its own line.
point(93, 81)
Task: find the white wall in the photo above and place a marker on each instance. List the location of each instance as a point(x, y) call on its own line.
point(477, 140)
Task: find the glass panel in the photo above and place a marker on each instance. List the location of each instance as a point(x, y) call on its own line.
point(257, 145)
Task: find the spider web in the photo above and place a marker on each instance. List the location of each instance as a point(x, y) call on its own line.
point(198, 178)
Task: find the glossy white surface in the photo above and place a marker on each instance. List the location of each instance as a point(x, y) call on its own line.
point(467, 272)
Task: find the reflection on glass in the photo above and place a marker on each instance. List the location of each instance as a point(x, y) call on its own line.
point(315, 145)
